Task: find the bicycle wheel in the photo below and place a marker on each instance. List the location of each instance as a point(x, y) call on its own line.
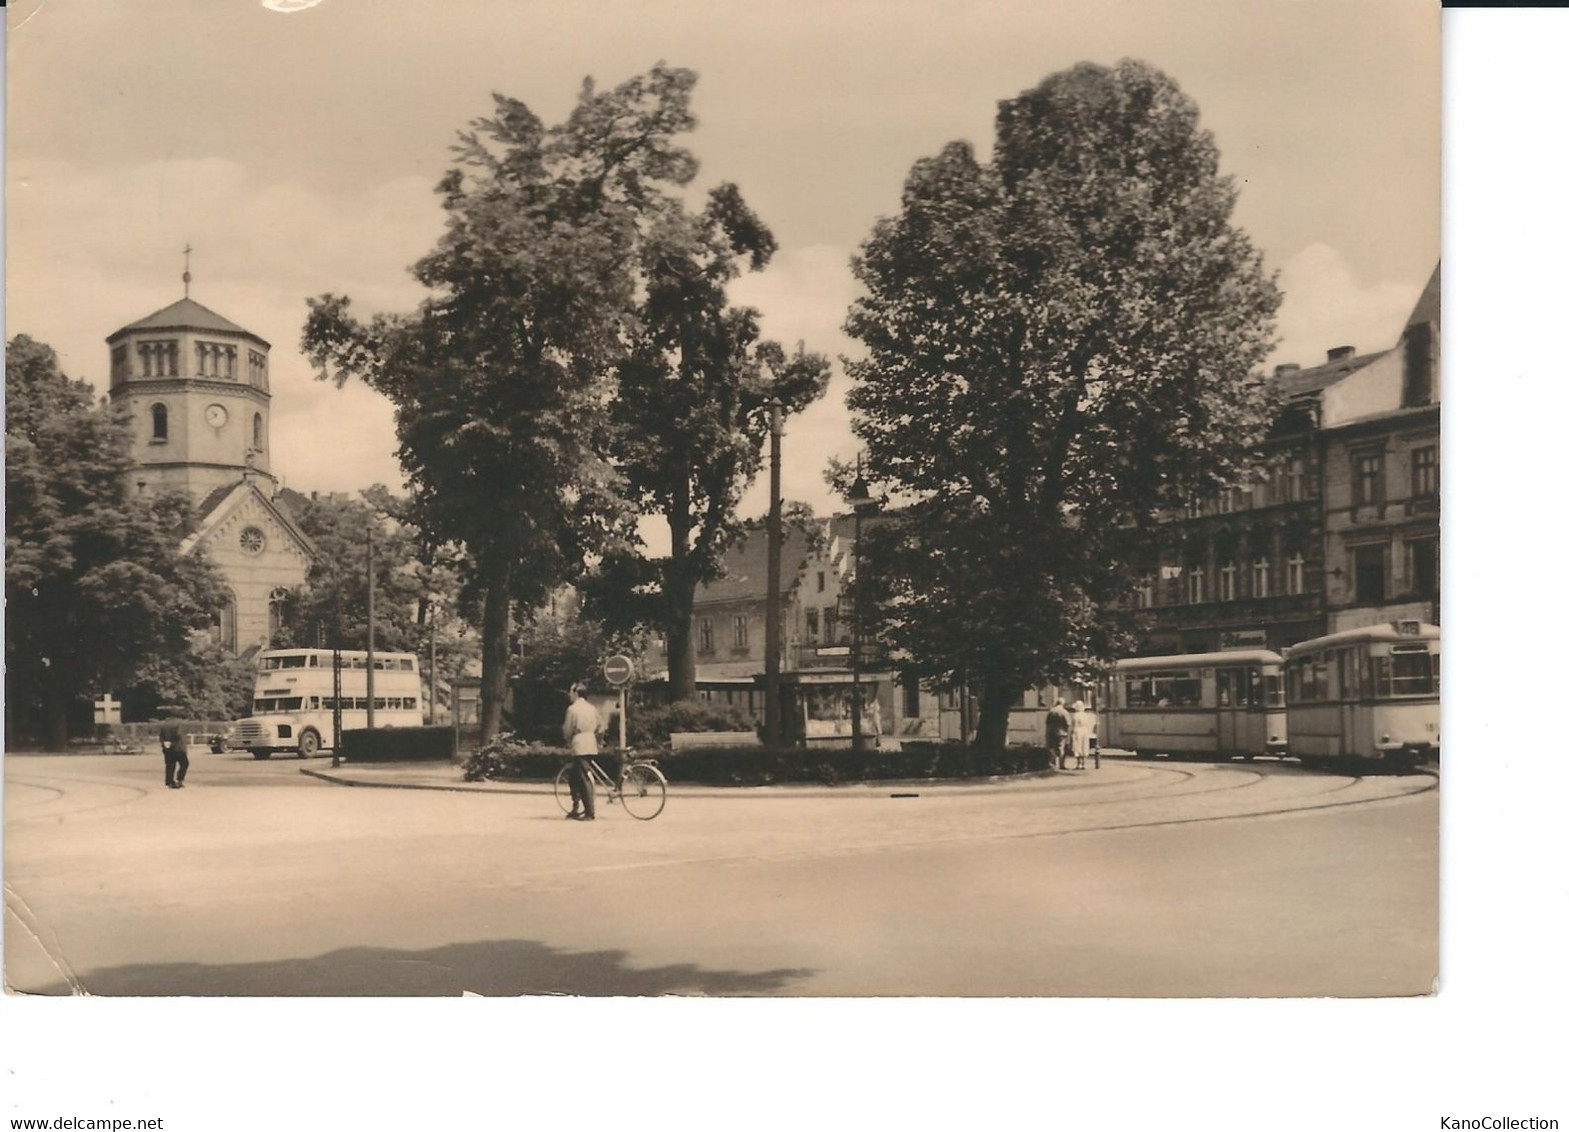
point(643, 791)
point(564, 789)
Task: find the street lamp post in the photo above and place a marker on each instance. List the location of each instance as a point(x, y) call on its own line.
point(859, 499)
point(771, 707)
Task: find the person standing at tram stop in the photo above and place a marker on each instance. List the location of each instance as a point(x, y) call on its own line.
point(1059, 724)
point(581, 731)
point(1083, 732)
point(175, 760)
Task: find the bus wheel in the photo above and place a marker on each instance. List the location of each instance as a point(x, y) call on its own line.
point(261, 754)
point(310, 742)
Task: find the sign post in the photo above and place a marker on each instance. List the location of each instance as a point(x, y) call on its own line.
point(618, 670)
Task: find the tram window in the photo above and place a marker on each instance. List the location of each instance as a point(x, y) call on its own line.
point(1165, 689)
point(1228, 687)
point(1405, 674)
point(1310, 679)
point(1274, 694)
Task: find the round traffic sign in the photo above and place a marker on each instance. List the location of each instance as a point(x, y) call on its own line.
point(618, 669)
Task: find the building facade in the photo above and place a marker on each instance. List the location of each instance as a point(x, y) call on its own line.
point(1336, 527)
point(196, 391)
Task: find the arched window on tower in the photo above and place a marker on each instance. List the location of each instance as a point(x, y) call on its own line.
point(160, 416)
point(256, 433)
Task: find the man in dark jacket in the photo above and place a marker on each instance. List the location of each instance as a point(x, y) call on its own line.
point(175, 760)
point(1059, 724)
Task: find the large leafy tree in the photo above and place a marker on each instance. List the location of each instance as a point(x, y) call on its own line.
point(691, 412)
point(502, 379)
point(1058, 342)
point(95, 586)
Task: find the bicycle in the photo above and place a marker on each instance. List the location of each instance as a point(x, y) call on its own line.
point(640, 787)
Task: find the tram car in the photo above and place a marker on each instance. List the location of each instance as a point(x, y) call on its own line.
point(1206, 705)
point(1365, 695)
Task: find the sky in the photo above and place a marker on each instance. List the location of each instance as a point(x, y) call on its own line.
point(297, 151)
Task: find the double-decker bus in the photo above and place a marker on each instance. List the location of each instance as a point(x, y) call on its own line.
point(1216, 704)
point(291, 708)
point(1365, 694)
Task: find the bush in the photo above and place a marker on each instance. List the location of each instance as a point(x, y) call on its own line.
point(511, 759)
point(652, 726)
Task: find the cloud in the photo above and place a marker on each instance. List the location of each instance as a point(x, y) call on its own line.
point(1326, 305)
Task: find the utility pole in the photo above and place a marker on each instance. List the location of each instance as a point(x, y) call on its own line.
point(771, 707)
point(859, 499)
point(370, 627)
point(433, 663)
point(337, 669)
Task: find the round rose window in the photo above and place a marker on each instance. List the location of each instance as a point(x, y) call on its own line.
point(252, 540)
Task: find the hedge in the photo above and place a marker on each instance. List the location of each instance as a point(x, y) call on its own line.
point(510, 759)
point(397, 744)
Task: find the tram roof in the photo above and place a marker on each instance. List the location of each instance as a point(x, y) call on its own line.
point(1389, 631)
point(1197, 660)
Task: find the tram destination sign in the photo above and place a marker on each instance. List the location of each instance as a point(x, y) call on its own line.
point(618, 670)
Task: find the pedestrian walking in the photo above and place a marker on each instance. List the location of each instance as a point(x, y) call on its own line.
point(1083, 733)
point(1059, 726)
point(581, 730)
point(175, 760)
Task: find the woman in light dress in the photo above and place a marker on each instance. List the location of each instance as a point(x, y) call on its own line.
point(1083, 731)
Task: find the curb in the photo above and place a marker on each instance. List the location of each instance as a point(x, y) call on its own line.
point(994, 784)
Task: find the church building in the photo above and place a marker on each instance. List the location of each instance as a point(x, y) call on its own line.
point(195, 388)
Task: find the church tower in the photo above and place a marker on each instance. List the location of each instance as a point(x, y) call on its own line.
point(195, 387)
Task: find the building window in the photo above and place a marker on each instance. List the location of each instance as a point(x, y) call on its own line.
point(160, 359)
point(822, 581)
point(1294, 574)
point(1367, 480)
point(1418, 365)
point(256, 433)
point(738, 629)
point(1296, 480)
point(664, 645)
point(1225, 502)
point(830, 626)
point(1424, 473)
point(119, 364)
point(1367, 571)
point(705, 635)
point(1261, 578)
point(1196, 586)
point(1228, 583)
point(257, 367)
point(1144, 593)
point(252, 541)
point(160, 415)
point(811, 624)
point(1422, 566)
point(275, 608)
point(228, 619)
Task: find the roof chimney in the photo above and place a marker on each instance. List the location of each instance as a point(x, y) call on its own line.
point(1287, 369)
point(1338, 352)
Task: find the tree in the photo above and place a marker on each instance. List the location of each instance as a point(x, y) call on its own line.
point(690, 412)
point(95, 584)
point(1059, 343)
point(502, 378)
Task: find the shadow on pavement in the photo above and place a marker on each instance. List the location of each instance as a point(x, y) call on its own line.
point(498, 967)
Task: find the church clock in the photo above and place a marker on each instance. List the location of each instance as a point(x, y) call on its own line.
point(217, 416)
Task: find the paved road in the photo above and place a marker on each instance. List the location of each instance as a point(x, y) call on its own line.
point(1137, 879)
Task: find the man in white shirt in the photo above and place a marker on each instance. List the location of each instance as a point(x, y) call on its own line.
point(581, 731)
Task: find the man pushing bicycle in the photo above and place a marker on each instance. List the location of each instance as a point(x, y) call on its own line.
point(581, 730)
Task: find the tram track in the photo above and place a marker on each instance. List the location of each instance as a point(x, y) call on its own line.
point(35, 814)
